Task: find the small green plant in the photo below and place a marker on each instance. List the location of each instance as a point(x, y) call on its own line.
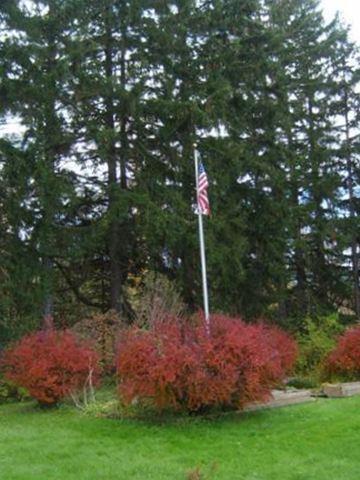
point(10, 392)
point(302, 382)
point(108, 409)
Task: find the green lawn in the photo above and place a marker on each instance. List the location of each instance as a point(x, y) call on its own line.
point(313, 441)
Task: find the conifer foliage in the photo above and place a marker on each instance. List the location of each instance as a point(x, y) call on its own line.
point(97, 183)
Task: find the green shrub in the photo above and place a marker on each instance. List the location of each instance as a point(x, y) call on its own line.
point(302, 382)
point(315, 342)
point(10, 392)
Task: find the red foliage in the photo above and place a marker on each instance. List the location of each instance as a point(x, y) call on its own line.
point(50, 365)
point(344, 360)
point(183, 367)
point(284, 344)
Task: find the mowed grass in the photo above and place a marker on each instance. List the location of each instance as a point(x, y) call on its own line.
point(316, 441)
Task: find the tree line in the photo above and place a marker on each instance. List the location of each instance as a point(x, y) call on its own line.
point(97, 185)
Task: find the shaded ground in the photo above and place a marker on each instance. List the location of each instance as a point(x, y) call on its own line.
point(311, 441)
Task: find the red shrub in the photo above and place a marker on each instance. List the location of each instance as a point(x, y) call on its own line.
point(284, 344)
point(183, 367)
point(50, 365)
point(344, 360)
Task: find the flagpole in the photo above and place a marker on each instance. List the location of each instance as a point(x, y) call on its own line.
point(202, 246)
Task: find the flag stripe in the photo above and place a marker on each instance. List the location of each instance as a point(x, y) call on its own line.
point(202, 194)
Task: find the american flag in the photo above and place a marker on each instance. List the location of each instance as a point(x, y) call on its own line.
point(202, 194)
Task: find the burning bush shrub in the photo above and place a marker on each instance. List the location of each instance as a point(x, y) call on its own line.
point(185, 368)
point(51, 365)
point(344, 360)
point(284, 345)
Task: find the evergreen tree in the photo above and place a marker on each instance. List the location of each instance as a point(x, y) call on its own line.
point(345, 85)
point(308, 130)
point(34, 81)
point(108, 84)
point(100, 186)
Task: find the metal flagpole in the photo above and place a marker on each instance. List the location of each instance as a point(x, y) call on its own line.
point(202, 246)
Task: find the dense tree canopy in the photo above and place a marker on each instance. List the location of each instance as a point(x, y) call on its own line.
point(97, 185)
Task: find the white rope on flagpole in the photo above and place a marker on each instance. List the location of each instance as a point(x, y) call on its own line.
point(202, 246)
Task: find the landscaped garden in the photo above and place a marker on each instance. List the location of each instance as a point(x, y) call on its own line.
point(179, 241)
point(172, 404)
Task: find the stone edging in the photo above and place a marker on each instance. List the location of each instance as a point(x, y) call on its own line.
point(282, 398)
point(340, 390)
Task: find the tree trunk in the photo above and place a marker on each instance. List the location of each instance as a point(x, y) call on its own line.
point(116, 297)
